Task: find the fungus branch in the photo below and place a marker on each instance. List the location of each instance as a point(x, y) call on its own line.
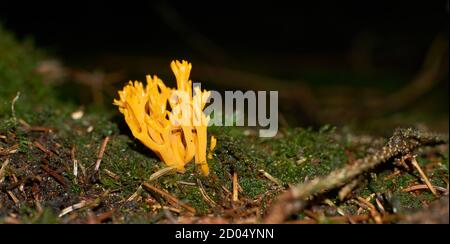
point(177, 134)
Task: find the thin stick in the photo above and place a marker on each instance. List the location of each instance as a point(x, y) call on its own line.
point(235, 187)
point(175, 210)
point(338, 209)
point(83, 169)
point(42, 148)
point(54, 174)
point(75, 162)
point(71, 208)
point(225, 190)
point(158, 206)
point(205, 194)
point(396, 172)
point(28, 127)
point(101, 152)
point(422, 187)
point(103, 216)
point(270, 177)
point(161, 172)
point(9, 150)
point(361, 208)
point(380, 206)
point(135, 194)
point(14, 178)
point(112, 174)
point(373, 211)
point(424, 176)
point(38, 207)
point(2, 169)
point(13, 197)
point(347, 189)
point(13, 111)
point(41, 129)
point(83, 203)
point(168, 197)
point(186, 183)
point(24, 124)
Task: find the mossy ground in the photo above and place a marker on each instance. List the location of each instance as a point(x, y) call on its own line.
point(30, 194)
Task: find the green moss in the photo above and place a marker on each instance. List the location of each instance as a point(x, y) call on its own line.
point(194, 198)
point(253, 187)
point(48, 216)
point(17, 63)
point(407, 201)
point(304, 152)
point(76, 189)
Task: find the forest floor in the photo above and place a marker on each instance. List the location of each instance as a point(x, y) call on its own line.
point(332, 174)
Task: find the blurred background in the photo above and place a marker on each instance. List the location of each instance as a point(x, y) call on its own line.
point(371, 65)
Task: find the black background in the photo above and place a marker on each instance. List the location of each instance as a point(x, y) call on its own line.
point(277, 30)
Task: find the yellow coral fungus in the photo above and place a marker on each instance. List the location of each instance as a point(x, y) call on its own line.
point(212, 145)
point(177, 135)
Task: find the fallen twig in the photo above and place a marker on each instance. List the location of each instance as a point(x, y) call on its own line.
point(401, 143)
point(235, 187)
point(396, 172)
point(168, 197)
point(205, 194)
point(423, 187)
point(159, 206)
point(270, 177)
point(54, 174)
point(380, 206)
point(28, 127)
point(13, 103)
point(112, 174)
point(97, 219)
point(41, 129)
point(75, 163)
point(424, 176)
point(13, 197)
point(162, 172)
point(372, 209)
point(186, 183)
point(348, 188)
point(101, 152)
point(367, 199)
point(2, 169)
point(338, 209)
point(82, 204)
point(42, 148)
point(9, 150)
point(135, 194)
point(71, 208)
point(83, 169)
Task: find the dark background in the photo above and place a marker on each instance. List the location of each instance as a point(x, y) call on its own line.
point(345, 44)
point(402, 30)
